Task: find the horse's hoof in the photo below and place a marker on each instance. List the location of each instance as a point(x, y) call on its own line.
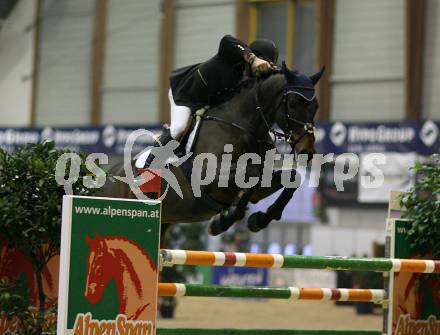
point(215, 226)
point(257, 221)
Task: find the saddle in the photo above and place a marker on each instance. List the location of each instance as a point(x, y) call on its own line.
point(187, 141)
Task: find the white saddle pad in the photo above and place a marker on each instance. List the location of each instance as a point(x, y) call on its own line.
point(142, 156)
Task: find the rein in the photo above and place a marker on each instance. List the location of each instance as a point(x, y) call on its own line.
point(307, 126)
point(233, 124)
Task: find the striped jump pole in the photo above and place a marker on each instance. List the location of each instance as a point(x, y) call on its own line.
point(212, 258)
point(293, 293)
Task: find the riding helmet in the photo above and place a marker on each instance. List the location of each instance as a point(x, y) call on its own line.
point(266, 49)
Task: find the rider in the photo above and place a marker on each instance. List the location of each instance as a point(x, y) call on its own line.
point(214, 81)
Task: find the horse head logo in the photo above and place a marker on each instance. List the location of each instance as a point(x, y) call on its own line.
point(127, 263)
point(14, 263)
point(99, 269)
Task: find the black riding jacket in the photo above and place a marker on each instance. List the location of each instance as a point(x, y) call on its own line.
point(214, 81)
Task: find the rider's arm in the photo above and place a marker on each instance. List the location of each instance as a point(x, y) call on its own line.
point(233, 51)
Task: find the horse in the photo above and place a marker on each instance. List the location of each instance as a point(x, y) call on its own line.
point(116, 257)
point(245, 122)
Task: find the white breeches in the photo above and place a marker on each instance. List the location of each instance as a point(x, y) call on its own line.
point(180, 116)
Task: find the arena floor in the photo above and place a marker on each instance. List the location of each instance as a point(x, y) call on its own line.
point(240, 313)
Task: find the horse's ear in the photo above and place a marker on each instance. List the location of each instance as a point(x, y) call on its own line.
point(315, 77)
point(95, 242)
point(289, 75)
point(284, 67)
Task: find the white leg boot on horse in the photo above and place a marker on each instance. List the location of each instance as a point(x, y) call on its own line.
point(180, 116)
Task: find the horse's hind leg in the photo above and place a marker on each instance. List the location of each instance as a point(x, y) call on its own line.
point(260, 220)
point(222, 221)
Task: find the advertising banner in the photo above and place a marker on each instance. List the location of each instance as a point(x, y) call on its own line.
point(336, 137)
point(416, 297)
point(108, 266)
point(240, 276)
point(106, 139)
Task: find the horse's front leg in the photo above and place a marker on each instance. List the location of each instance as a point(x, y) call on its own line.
point(222, 221)
point(261, 220)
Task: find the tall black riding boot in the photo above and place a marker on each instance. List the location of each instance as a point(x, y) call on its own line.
point(162, 140)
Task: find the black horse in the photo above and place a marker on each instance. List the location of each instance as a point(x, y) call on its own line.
point(245, 121)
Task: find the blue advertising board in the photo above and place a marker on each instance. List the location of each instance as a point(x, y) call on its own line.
point(419, 137)
point(240, 276)
point(336, 137)
point(107, 139)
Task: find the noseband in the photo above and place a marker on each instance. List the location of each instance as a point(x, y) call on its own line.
point(308, 127)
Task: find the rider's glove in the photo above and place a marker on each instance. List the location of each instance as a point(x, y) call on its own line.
point(259, 66)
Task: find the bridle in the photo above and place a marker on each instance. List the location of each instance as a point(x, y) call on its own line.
point(308, 127)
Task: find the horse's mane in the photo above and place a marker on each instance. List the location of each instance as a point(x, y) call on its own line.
point(133, 244)
point(245, 84)
point(250, 82)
